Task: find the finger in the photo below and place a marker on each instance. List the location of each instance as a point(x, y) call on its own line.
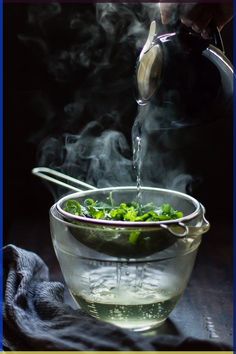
point(202, 27)
point(206, 34)
point(168, 12)
point(195, 28)
point(203, 21)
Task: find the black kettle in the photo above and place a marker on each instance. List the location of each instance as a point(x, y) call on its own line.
point(188, 78)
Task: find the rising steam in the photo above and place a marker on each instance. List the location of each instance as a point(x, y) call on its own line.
point(89, 53)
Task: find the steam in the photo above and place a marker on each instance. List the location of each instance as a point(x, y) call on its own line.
point(97, 156)
point(113, 17)
point(161, 158)
point(89, 53)
point(40, 14)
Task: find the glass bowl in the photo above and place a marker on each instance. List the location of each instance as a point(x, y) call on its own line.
point(133, 285)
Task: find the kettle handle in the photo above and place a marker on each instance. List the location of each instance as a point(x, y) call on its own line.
point(215, 36)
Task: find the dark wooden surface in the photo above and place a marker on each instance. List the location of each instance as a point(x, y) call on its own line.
point(205, 310)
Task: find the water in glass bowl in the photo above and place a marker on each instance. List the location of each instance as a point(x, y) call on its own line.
point(138, 297)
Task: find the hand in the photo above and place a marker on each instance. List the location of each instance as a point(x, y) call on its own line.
point(197, 15)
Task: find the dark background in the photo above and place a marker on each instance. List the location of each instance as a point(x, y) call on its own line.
point(45, 75)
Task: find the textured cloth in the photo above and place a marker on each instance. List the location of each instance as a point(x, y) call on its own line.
point(36, 318)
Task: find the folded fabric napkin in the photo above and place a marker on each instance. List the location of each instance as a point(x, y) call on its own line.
point(36, 318)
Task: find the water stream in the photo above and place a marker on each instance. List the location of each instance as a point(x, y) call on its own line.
point(137, 156)
point(137, 163)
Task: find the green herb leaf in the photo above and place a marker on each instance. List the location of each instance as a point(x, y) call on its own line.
point(73, 207)
point(123, 212)
point(133, 237)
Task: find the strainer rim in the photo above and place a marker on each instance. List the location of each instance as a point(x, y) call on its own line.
point(126, 224)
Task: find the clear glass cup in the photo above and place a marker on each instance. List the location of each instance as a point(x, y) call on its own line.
point(133, 286)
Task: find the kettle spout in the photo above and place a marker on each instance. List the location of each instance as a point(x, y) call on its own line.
point(151, 35)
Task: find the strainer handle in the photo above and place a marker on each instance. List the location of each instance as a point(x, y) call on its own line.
point(57, 178)
point(185, 230)
point(172, 229)
point(195, 230)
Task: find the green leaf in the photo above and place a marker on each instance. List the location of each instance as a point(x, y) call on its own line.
point(117, 214)
point(133, 237)
point(89, 202)
point(131, 214)
point(132, 211)
point(166, 208)
point(179, 214)
point(73, 207)
point(99, 214)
